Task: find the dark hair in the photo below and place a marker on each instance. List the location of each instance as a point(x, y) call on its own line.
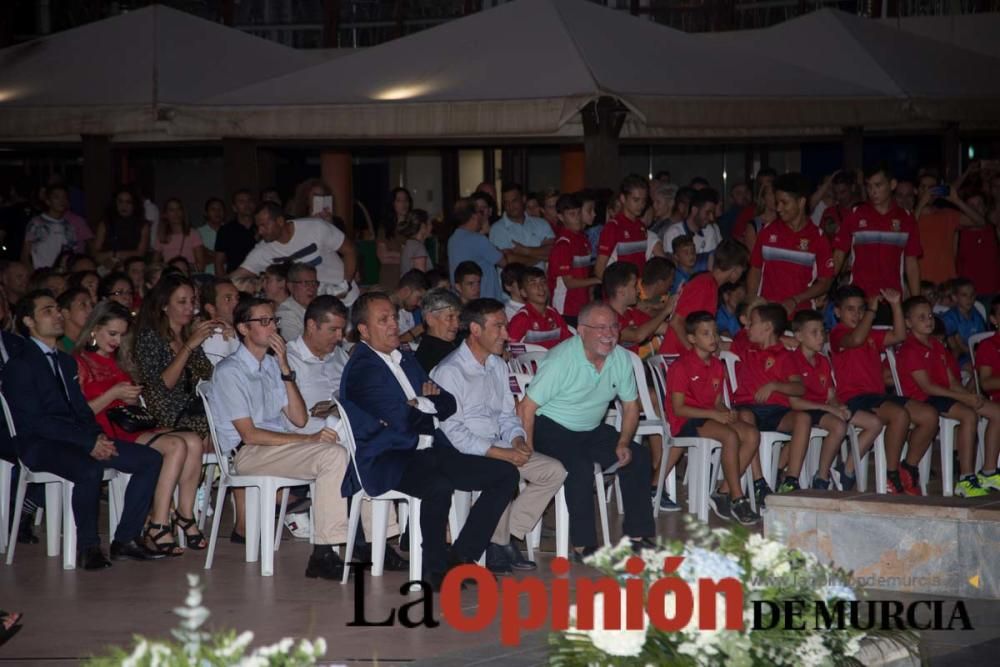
point(278, 270)
point(273, 210)
point(704, 196)
point(66, 298)
point(152, 315)
point(731, 254)
point(698, 180)
point(467, 268)
point(487, 199)
point(530, 272)
point(25, 307)
point(359, 311)
point(845, 177)
point(477, 310)
point(803, 317)
point(657, 269)
point(437, 275)
point(961, 282)
point(568, 202)
point(180, 259)
point(415, 219)
point(104, 312)
point(692, 321)
point(52, 187)
point(138, 216)
point(462, 212)
point(390, 223)
point(632, 182)
point(940, 328)
point(663, 173)
point(415, 280)
point(995, 305)
point(767, 171)
point(794, 184)
point(76, 278)
point(132, 260)
point(618, 275)
point(107, 284)
point(296, 269)
point(847, 292)
point(775, 315)
point(212, 200)
point(914, 302)
point(684, 194)
point(79, 258)
point(681, 241)
point(512, 274)
point(586, 195)
point(511, 187)
point(874, 169)
point(324, 305)
point(244, 310)
point(241, 191)
point(207, 291)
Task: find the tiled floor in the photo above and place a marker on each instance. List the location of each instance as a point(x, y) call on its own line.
point(72, 614)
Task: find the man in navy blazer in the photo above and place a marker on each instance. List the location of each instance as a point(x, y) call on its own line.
point(57, 433)
point(392, 387)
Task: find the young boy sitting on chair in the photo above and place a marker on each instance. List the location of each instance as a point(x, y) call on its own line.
point(766, 378)
point(926, 375)
point(695, 409)
point(820, 399)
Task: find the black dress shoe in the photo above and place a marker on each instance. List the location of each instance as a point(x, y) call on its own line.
point(578, 556)
point(92, 558)
point(392, 561)
point(327, 566)
point(236, 538)
point(133, 550)
point(516, 558)
point(497, 561)
point(26, 531)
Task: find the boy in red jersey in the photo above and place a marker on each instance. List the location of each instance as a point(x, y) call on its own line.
point(537, 322)
point(988, 368)
point(820, 399)
point(623, 238)
point(702, 292)
point(570, 264)
point(695, 408)
point(621, 289)
point(766, 378)
point(925, 374)
point(857, 363)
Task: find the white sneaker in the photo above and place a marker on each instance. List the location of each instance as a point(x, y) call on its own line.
point(298, 525)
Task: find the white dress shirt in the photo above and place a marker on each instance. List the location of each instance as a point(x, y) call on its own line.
point(392, 360)
point(293, 318)
point(318, 378)
point(217, 348)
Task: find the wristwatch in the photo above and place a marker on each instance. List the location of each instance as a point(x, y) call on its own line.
point(288, 378)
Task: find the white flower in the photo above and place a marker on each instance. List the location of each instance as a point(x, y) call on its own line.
point(138, 654)
point(704, 564)
point(765, 554)
point(852, 646)
point(836, 592)
point(235, 647)
point(812, 652)
point(620, 642)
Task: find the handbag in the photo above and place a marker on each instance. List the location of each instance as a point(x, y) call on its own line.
point(131, 418)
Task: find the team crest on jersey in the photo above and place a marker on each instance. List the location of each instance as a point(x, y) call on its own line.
point(862, 223)
point(803, 244)
point(896, 224)
point(716, 383)
point(769, 363)
point(772, 238)
point(822, 380)
point(534, 325)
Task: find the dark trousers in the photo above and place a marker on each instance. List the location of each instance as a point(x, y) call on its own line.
point(35, 495)
point(433, 475)
point(578, 451)
point(72, 463)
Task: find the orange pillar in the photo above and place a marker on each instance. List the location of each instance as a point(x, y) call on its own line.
point(573, 167)
point(335, 170)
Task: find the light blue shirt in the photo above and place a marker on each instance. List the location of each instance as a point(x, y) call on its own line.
point(244, 387)
point(464, 246)
point(46, 350)
point(485, 414)
point(531, 233)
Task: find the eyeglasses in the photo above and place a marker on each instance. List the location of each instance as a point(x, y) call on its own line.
point(603, 327)
point(265, 321)
point(307, 283)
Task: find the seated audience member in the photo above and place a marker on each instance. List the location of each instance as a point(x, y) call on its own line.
point(390, 386)
point(108, 388)
point(49, 279)
point(588, 216)
point(117, 287)
point(510, 278)
point(621, 289)
point(687, 262)
point(570, 270)
point(702, 293)
point(181, 265)
point(51, 233)
point(440, 308)
point(700, 224)
point(124, 232)
point(654, 287)
point(468, 280)
point(538, 322)
point(15, 278)
point(856, 349)
point(75, 306)
point(58, 434)
point(623, 238)
point(485, 424)
point(410, 290)
point(766, 379)
point(302, 287)
point(88, 280)
point(311, 241)
point(695, 409)
point(963, 320)
point(416, 229)
point(988, 368)
point(218, 300)
point(730, 297)
point(168, 356)
point(318, 358)
point(926, 375)
point(467, 245)
point(820, 398)
point(438, 278)
point(274, 283)
point(251, 394)
point(563, 415)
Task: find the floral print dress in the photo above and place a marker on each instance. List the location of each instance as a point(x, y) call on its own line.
point(179, 407)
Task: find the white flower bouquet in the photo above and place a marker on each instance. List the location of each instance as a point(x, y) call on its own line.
point(664, 615)
point(195, 648)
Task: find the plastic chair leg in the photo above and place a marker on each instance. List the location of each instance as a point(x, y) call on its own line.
point(881, 466)
point(416, 541)
point(602, 508)
point(281, 518)
point(53, 519)
point(69, 525)
point(22, 487)
point(220, 498)
point(352, 532)
point(253, 523)
point(266, 517)
point(562, 524)
point(206, 497)
point(5, 472)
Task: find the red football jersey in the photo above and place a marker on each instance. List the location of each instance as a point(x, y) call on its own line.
point(699, 293)
point(915, 356)
point(988, 355)
point(700, 381)
point(570, 256)
point(623, 240)
point(759, 366)
point(879, 243)
point(858, 369)
point(632, 317)
point(817, 377)
point(790, 261)
point(530, 326)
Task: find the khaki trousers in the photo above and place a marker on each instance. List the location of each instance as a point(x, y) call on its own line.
point(327, 464)
point(544, 475)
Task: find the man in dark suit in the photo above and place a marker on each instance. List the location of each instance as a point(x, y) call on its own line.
point(57, 433)
point(391, 386)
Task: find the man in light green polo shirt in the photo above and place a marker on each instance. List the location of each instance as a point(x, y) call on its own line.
point(563, 414)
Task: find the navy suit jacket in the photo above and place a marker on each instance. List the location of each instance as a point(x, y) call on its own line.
point(369, 384)
point(37, 404)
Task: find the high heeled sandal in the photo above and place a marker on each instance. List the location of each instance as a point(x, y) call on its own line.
point(154, 544)
point(10, 624)
point(197, 540)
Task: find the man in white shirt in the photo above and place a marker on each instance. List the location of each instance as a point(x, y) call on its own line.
point(311, 241)
point(485, 424)
point(302, 288)
point(219, 299)
point(318, 358)
point(700, 223)
point(528, 237)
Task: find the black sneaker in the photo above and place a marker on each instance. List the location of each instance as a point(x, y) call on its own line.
point(720, 504)
point(667, 503)
point(742, 512)
point(820, 484)
point(788, 485)
point(585, 552)
point(760, 492)
point(847, 482)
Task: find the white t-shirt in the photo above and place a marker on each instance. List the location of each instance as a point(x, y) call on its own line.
point(706, 240)
point(314, 242)
point(217, 348)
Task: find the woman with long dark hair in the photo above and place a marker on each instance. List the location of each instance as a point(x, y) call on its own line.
point(388, 244)
point(176, 238)
point(123, 232)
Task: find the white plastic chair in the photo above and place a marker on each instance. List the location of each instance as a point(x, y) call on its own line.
point(527, 362)
point(946, 436)
point(974, 342)
point(6, 470)
point(650, 423)
point(261, 535)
